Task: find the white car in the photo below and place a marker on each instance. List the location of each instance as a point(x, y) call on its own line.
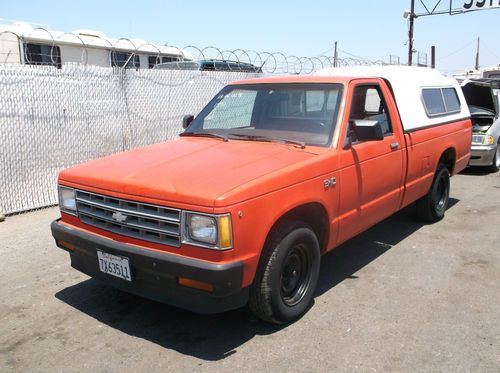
point(482, 96)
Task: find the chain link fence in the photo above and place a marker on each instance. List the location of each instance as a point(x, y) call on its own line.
point(51, 119)
point(66, 98)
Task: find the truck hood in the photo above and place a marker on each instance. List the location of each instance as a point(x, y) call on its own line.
point(192, 171)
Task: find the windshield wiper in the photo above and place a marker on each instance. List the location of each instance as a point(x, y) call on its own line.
point(205, 134)
point(269, 139)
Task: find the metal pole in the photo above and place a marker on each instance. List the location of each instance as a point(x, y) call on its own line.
point(477, 55)
point(433, 57)
point(335, 56)
point(410, 34)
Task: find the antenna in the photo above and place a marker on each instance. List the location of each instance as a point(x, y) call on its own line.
point(477, 55)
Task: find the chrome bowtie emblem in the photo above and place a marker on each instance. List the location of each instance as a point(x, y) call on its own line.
point(119, 217)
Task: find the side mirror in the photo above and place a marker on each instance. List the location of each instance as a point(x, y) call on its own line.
point(186, 120)
point(367, 130)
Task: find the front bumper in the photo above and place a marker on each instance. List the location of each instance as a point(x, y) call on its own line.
point(482, 155)
point(155, 274)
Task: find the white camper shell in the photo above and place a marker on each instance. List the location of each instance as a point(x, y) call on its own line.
point(424, 97)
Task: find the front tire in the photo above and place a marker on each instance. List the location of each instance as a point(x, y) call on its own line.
point(287, 275)
point(433, 205)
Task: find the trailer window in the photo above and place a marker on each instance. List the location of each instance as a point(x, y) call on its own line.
point(492, 75)
point(42, 54)
point(440, 101)
point(166, 59)
point(153, 61)
point(119, 59)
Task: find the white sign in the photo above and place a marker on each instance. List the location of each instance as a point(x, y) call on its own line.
point(480, 4)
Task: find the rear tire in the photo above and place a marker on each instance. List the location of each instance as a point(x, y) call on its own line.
point(287, 275)
point(495, 163)
point(433, 205)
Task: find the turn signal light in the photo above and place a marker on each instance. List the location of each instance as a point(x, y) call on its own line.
point(195, 284)
point(225, 232)
point(66, 245)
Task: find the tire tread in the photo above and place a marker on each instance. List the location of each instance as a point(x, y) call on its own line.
point(260, 302)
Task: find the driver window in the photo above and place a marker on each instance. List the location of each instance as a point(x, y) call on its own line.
point(368, 104)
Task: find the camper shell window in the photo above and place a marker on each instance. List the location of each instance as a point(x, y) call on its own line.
point(42, 54)
point(440, 101)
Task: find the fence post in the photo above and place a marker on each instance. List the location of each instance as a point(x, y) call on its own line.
point(126, 132)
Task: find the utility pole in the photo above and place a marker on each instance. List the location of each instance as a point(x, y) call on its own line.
point(335, 56)
point(477, 55)
point(410, 34)
point(433, 57)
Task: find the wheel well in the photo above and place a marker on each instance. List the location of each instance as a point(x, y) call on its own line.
point(312, 214)
point(448, 159)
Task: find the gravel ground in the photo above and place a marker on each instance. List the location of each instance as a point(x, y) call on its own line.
point(403, 296)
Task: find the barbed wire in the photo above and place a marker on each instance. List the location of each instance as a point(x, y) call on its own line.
point(129, 51)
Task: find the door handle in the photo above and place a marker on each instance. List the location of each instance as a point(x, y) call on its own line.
point(395, 145)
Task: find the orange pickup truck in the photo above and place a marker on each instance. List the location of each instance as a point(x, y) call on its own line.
point(270, 175)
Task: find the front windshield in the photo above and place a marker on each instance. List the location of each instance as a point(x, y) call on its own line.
point(305, 113)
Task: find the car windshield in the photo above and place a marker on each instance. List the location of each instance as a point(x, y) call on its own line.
point(292, 113)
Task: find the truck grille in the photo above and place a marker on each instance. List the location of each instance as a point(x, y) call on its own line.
point(129, 218)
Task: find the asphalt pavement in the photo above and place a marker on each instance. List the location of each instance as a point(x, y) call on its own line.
point(403, 296)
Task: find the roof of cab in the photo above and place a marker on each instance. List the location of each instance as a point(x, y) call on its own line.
point(295, 79)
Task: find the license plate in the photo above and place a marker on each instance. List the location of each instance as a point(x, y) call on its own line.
point(114, 265)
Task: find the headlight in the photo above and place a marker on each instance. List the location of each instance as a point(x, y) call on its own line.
point(202, 228)
point(67, 202)
point(211, 231)
point(483, 140)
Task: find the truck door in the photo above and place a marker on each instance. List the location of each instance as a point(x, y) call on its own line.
point(371, 176)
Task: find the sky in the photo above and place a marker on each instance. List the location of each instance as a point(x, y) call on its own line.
point(370, 29)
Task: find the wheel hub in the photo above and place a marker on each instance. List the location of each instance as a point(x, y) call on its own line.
point(295, 275)
point(441, 194)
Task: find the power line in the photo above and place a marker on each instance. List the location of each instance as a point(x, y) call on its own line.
point(326, 52)
point(458, 50)
point(490, 51)
point(353, 55)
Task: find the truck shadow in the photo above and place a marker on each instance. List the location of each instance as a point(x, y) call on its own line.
point(207, 337)
point(214, 337)
point(348, 258)
point(475, 171)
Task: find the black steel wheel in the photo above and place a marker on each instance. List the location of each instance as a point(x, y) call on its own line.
point(296, 275)
point(433, 205)
point(287, 275)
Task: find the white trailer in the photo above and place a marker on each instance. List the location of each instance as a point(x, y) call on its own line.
point(22, 43)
